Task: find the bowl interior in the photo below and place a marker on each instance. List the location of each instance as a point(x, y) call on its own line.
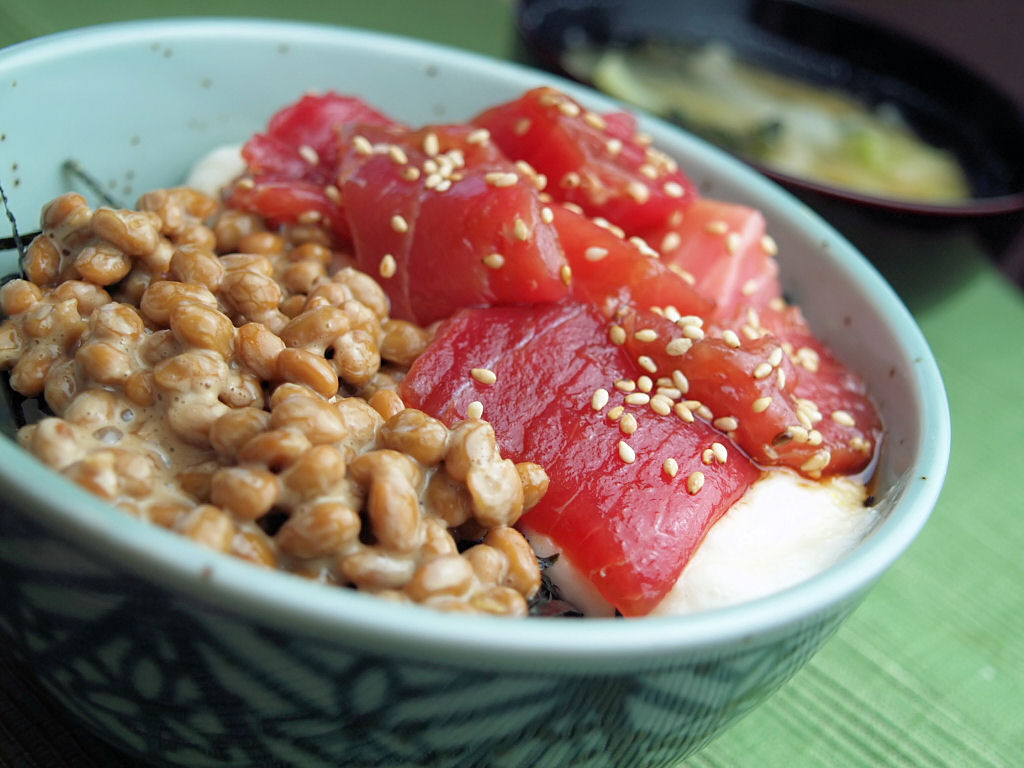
point(197, 84)
point(943, 100)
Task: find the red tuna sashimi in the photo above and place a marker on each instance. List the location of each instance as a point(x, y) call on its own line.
point(294, 164)
point(722, 247)
point(785, 399)
point(597, 162)
point(617, 507)
point(612, 273)
point(444, 221)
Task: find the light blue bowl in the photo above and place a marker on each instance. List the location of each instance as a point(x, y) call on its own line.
point(187, 657)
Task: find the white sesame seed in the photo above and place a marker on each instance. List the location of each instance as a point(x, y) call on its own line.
point(484, 375)
point(750, 287)
point(762, 371)
point(716, 227)
point(730, 338)
point(566, 274)
point(521, 229)
point(397, 154)
point(673, 189)
point(478, 136)
point(695, 482)
point(678, 347)
point(522, 126)
point(617, 335)
point(681, 382)
point(309, 154)
point(670, 242)
point(570, 180)
point(629, 424)
point(647, 363)
point(683, 412)
point(661, 405)
point(644, 247)
point(493, 261)
point(798, 433)
point(817, 462)
point(547, 215)
point(333, 193)
point(594, 120)
point(649, 171)
point(637, 398)
point(644, 383)
point(410, 173)
point(388, 266)
point(501, 178)
point(626, 453)
point(614, 146)
point(362, 145)
point(595, 253)
point(671, 467)
point(613, 228)
point(721, 452)
point(666, 390)
point(843, 418)
point(475, 410)
point(625, 385)
point(646, 334)
point(616, 413)
point(775, 358)
point(569, 109)
point(431, 144)
point(762, 404)
point(733, 241)
point(399, 224)
point(726, 423)
point(692, 331)
point(638, 191)
point(707, 456)
point(769, 246)
point(599, 399)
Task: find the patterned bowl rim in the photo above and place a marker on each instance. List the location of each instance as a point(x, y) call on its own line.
point(348, 617)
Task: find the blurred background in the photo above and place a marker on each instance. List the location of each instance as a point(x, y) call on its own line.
point(984, 34)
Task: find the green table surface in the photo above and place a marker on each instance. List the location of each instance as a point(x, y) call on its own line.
point(929, 671)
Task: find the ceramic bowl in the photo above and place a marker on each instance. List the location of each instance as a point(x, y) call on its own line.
point(181, 656)
point(943, 99)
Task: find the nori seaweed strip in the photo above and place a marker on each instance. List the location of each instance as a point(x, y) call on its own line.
point(16, 240)
point(73, 168)
point(548, 601)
